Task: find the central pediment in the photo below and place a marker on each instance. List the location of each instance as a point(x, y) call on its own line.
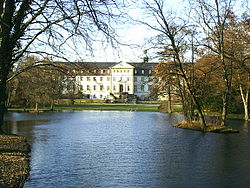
point(123, 65)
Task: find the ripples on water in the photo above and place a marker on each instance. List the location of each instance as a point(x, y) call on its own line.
point(130, 149)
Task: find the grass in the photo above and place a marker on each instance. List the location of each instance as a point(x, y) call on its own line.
point(195, 125)
point(97, 106)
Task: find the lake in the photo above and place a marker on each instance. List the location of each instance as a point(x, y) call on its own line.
point(130, 149)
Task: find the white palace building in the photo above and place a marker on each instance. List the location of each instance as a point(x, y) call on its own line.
point(112, 79)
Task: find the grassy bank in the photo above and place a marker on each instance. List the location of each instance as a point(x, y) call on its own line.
point(96, 106)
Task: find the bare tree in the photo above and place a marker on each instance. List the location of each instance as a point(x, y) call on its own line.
point(45, 27)
point(173, 34)
point(212, 17)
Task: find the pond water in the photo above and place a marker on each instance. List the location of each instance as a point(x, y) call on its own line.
point(130, 149)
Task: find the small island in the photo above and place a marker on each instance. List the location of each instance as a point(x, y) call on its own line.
point(209, 128)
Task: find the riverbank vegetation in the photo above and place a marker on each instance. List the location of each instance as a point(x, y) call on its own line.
point(93, 106)
point(216, 77)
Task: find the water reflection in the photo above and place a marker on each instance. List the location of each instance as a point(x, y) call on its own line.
point(130, 149)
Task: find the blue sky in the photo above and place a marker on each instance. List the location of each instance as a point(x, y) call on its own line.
point(133, 34)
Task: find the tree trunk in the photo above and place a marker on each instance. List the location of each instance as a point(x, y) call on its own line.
point(2, 99)
point(52, 105)
point(169, 101)
point(224, 110)
point(245, 102)
point(36, 109)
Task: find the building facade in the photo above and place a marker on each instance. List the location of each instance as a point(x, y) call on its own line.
point(105, 79)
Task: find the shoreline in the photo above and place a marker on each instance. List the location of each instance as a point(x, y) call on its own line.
point(115, 107)
point(195, 126)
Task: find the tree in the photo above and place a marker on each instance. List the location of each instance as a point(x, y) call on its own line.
point(237, 42)
point(45, 28)
point(225, 37)
point(165, 83)
point(173, 34)
point(243, 82)
point(38, 86)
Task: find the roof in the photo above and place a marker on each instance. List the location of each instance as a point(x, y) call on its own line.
point(107, 65)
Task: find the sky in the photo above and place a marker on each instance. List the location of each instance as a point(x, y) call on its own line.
point(136, 35)
point(133, 34)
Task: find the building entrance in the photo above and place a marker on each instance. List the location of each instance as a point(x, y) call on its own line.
point(121, 88)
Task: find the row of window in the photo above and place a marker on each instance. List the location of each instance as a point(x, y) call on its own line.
point(141, 71)
point(136, 71)
point(101, 88)
point(115, 88)
point(142, 88)
point(142, 79)
point(101, 71)
point(94, 78)
point(121, 71)
point(119, 79)
point(136, 79)
point(107, 79)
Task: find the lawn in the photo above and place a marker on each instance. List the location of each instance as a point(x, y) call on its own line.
point(98, 106)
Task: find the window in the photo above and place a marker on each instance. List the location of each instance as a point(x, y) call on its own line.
point(128, 71)
point(101, 96)
point(128, 79)
point(135, 71)
point(94, 96)
point(101, 87)
point(81, 78)
point(108, 88)
point(128, 88)
point(120, 78)
point(94, 78)
point(150, 71)
point(88, 87)
point(142, 87)
point(142, 71)
point(88, 78)
point(135, 88)
point(81, 87)
point(114, 78)
point(94, 87)
point(114, 88)
point(108, 79)
point(101, 78)
point(101, 71)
